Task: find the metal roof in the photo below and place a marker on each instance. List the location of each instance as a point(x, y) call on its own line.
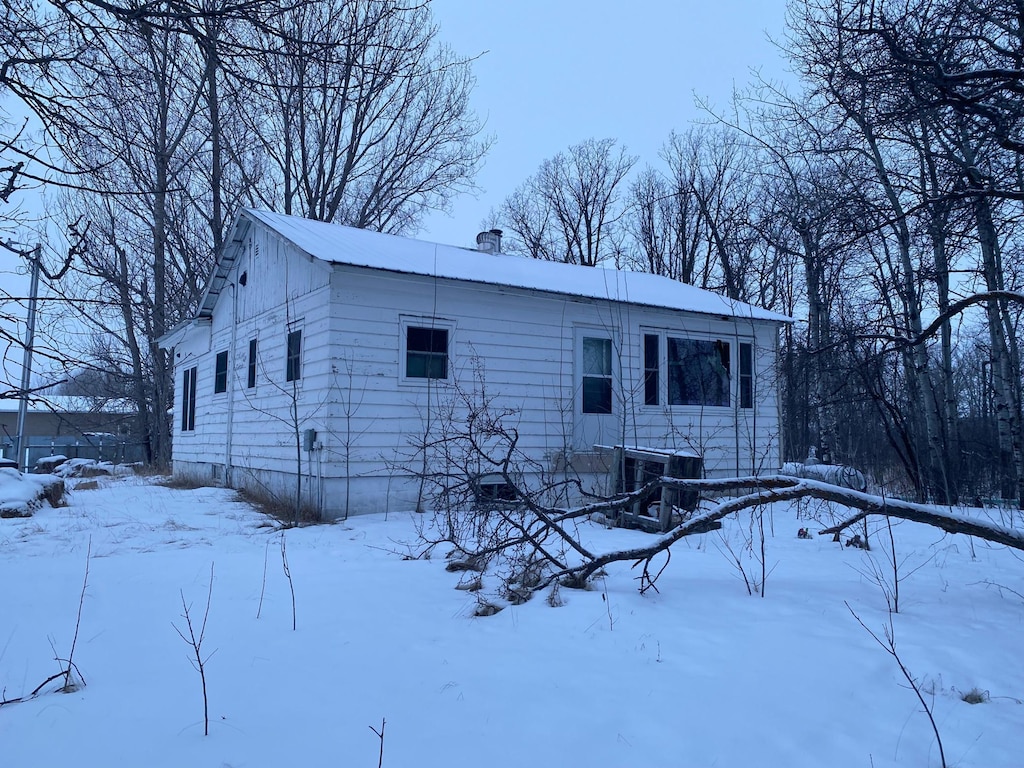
point(338, 244)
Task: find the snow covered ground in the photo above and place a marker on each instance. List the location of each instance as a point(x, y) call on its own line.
point(700, 674)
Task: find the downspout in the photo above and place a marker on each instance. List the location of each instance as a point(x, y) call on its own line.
point(757, 458)
point(228, 480)
point(320, 481)
point(777, 358)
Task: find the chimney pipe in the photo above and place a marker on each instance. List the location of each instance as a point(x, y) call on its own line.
point(489, 242)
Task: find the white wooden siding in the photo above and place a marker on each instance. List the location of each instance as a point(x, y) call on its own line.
point(523, 343)
point(263, 431)
point(368, 418)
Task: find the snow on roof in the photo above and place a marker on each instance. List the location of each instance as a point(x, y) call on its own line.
point(640, 450)
point(374, 250)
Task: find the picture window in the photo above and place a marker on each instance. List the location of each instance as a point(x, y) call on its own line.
point(698, 372)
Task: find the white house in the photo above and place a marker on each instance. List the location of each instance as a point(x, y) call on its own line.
point(344, 357)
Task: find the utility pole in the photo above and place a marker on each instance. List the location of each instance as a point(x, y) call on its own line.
point(26, 366)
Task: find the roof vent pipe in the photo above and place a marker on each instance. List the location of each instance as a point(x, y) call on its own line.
point(489, 242)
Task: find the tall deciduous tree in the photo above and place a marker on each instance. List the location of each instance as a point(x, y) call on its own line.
point(361, 116)
point(170, 114)
point(570, 210)
point(960, 66)
point(139, 150)
point(694, 221)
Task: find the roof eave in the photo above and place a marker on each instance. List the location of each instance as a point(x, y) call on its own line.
point(729, 316)
point(226, 261)
point(176, 335)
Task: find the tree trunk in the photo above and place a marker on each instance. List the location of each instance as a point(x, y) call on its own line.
point(1005, 363)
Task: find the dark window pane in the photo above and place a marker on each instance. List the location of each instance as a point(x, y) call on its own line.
point(415, 366)
point(427, 340)
point(437, 366)
point(192, 399)
point(426, 355)
point(188, 400)
point(746, 376)
point(492, 489)
point(423, 365)
point(252, 364)
point(220, 376)
point(651, 363)
point(184, 398)
point(698, 372)
point(597, 394)
point(746, 392)
point(293, 367)
point(650, 387)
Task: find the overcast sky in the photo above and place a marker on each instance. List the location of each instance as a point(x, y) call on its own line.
point(552, 73)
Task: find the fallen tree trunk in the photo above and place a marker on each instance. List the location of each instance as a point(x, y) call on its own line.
point(775, 488)
point(868, 504)
point(537, 533)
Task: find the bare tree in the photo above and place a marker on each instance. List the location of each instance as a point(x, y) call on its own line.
point(169, 115)
point(528, 543)
point(932, 89)
point(664, 223)
point(194, 638)
point(361, 116)
point(570, 209)
point(138, 151)
point(714, 170)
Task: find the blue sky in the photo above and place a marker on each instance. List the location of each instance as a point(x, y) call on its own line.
point(552, 73)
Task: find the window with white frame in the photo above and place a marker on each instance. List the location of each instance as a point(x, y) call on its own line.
point(220, 373)
point(426, 349)
point(188, 399)
point(293, 356)
point(597, 375)
point(698, 371)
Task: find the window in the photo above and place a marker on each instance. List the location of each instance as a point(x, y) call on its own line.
point(293, 364)
point(597, 375)
point(746, 376)
point(220, 376)
point(426, 353)
point(188, 400)
point(491, 489)
point(252, 364)
point(698, 372)
point(651, 377)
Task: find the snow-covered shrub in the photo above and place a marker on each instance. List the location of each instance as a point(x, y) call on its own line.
point(21, 495)
point(47, 465)
point(85, 468)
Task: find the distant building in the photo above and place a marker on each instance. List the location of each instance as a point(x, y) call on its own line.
point(72, 426)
